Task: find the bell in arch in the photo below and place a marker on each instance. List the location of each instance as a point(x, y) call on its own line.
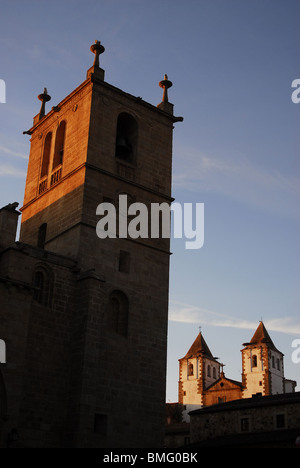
point(123, 147)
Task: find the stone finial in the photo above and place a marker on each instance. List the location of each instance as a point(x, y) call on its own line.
point(165, 84)
point(97, 49)
point(44, 97)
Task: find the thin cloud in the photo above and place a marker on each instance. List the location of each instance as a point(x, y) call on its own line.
point(7, 170)
point(179, 312)
point(239, 179)
point(11, 152)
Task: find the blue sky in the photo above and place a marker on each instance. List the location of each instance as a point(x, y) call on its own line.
point(232, 63)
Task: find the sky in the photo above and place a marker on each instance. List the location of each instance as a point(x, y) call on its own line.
point(232, 63)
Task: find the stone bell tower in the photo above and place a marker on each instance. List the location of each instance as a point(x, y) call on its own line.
point(96, 144)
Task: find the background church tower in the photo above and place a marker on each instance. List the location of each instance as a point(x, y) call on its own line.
point(262, 364)
point(96, 144)
point(198, 369)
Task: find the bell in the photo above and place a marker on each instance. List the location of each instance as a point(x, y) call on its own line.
point(123, 148)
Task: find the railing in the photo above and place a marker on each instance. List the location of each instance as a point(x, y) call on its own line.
point(43, 185)
point(55, 176)
point(125, 170)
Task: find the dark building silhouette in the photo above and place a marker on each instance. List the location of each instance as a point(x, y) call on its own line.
point(84, 319)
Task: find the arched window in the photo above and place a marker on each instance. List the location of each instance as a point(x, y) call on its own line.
point(214, 373)
point(59, 144)
point(46, 155)
point(190, 369)
point(43, 286)
point(126, 139)
point(254, 360)
point(208, 371)
point(118, 313)
point(42, 235)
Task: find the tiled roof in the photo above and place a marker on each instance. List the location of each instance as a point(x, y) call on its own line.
point(199, 348)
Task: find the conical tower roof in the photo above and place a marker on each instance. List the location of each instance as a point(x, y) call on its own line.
point(199, 348)
point(261, 336)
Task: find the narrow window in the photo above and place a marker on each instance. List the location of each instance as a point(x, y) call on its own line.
point(278, 364)
point(245, 424)
point(214, 372)
point(254, 360)
point(46, 155)
point(43, 285)
point(118, 313)
point(208, 371)
point(190, 369)
point(126, 139)
point(59, 145)
point(42, 235)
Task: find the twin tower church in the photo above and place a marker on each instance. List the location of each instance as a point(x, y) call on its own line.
point(202, 381)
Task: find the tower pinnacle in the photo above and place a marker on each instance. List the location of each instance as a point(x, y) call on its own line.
point(44, 97)
point(97, 49)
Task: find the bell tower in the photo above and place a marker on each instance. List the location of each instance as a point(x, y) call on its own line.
point(263, 371)
point(198, 369)
point(95, 145)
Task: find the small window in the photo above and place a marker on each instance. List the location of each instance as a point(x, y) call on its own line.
point(254, 360)
point(118, 313)
point(46, 155)
point(245, 424)
point(59, 145)
point(43, 285)
point(208, 371)
point(214, 373)
point(190, 369)
point(278, 364)
point(126, 138)
point(100, 424)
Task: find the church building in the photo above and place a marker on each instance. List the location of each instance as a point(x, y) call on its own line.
point(83, 319)
point(202, 381)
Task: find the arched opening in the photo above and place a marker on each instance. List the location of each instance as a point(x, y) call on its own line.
point(118, 313)
point(46, 155)
point(126, 138)
point(254, 360)
point(43, 287)
point(59, 145)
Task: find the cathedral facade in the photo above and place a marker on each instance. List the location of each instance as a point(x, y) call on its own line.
point(83, 318)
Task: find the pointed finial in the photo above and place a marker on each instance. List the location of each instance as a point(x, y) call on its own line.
point(97, 49)
point(44, 97)
point(165, 84)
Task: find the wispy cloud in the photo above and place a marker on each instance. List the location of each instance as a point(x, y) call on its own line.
point(179, 312)
point(7, 170)
point(9, 151)
point(241, 179)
